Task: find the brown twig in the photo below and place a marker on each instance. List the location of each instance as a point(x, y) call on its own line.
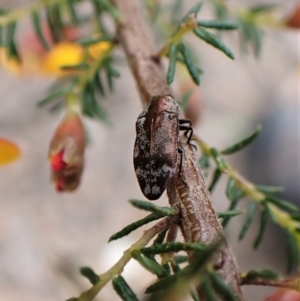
point(198, 220)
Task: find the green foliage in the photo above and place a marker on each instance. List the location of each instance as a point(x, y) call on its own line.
point(262, 274)
point(128, 229)
point(264, 216)
point(145, 205)
point(189, 64)
point(204, 164)
point(242, 144)
point(217, 24)
point(249, 218)
point(229, 213)
point(234, 194)
point(185, 99)
point(172, 65)
point(37, 27)
point(123, 289)
point(149, 264)
point(213, 40)
point(293, 255)
point(173, 247)
point(87, 87)
point(285, 205)
point(89, 274)
point(216, 177)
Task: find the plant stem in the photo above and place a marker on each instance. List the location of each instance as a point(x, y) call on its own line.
point(284, 283)
point(117, 269)
point(281, 217)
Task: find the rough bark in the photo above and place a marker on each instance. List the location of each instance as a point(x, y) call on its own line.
point(198, 220)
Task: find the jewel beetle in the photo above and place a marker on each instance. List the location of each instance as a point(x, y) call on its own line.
point(156, 144)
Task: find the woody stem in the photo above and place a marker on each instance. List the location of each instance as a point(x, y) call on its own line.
point(150, 79)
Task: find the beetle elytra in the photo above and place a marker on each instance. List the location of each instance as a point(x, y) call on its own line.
point(156, 144)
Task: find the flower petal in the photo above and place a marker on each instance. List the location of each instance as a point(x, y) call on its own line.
point(9, 152)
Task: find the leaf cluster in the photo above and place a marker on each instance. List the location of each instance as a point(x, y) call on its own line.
point(177, 51)
point(177, 275)
point(264, 200)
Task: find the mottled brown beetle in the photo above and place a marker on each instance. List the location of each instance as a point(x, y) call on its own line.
point(156, 144)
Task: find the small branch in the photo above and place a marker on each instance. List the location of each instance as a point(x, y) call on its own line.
point(185, 27)
point(282, 218)
point(283, 283)
point(117, 269)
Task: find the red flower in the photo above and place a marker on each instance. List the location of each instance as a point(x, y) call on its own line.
point(66, 153)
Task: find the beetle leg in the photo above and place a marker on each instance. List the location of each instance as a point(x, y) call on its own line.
point(188, 131)
point(184, 121)
point(181, 151)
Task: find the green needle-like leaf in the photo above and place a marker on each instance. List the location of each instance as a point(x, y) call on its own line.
point(269, 189)
point(123, 289)
point(229, 213)
point(285, 205)
point(208, 290)
point(221, 288)
point(89, 274)
point(218, 159)
point(178, 259)
point(111, 9)
point(242, 144)
point(173, 247)
point(192, 269)
point(194, 10)
point(215, 179)
point(233, 192)
point(72, 11)
point(102, 38)
point(90, 105)
point(55, 95)
point(160, 237)
point(262, 274)
point(213, 40)
point(38, 29)
point(185, 99)
point(128, 229)
point(172, 63)
point(262, 227)
point(149, 264)
point(189, 64)
point(262, 8)
point(249, 218)
point(251, 36)
point(76, 67)
point(295, 216)
point(98, 84)
point(11, 45)
point(293, 254)
point(145, 205)
point(204, 164)
point(225, 25)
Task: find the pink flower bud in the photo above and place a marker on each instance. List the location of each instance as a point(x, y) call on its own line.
point(66, 153)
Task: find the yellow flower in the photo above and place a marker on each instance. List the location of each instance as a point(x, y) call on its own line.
point(62, 54)
point(96, 51)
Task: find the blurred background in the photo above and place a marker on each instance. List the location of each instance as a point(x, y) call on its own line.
point(45, 236)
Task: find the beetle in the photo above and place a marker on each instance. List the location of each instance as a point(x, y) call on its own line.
point(156, 144)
